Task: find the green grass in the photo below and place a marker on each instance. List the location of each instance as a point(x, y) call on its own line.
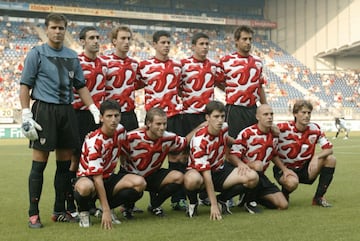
point(300, 222)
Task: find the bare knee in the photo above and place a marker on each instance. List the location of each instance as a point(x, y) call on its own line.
point(192, 180)
point(256, 165)
point(252, 179)
point(84, 186)
point(139, 183)
point(330, 161)
point(290, 183)
point(176, 177)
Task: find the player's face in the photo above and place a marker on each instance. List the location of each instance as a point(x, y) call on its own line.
point(55, 32)
point(157, 127)
point(265, 117)
point(215, 121)
point(110, 120)
point(122, 42)
point(91, 42)
point(201, 48)
point(162, 47)
point(243, 44)
point(303, 116)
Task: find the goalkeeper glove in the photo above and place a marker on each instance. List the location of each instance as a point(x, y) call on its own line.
point(29, 126)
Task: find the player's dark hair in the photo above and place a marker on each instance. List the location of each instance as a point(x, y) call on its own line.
point(197, 36)
point(117, 29)
point(214, 105)
point(83, 32)
point(158, 34)
point(55, 17)
point(299, 104)
point(109, 104)
point(153, 112)
point(242, 28)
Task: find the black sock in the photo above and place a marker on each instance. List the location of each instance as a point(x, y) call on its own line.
point(231, 192)
point(326, 176)
point(82, 202)
point(61, 183)
point(126, 196)
point(164, 193)
point(70, 192)
point(203, 194)
point(192, 195)
point(36, 179)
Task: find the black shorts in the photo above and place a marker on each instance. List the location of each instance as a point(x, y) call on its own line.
point(191, 121)
point(239, 117)
point(219, 176)
point(129, 120)
point(302, 174)
point(59, 127)
point(265, 187)
point(110, 183)
point(155, 179)
point(86, 124)
point(175, 124)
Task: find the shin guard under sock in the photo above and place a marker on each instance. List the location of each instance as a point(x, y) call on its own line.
point(36, 180)
point(326, 176)
point(61, 183)
point(164, 193)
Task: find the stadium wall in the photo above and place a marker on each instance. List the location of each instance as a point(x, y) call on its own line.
point(305, 28)
point(13, 131)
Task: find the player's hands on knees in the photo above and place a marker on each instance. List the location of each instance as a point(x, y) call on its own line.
point(29, 126)
point(243, 169)
point(215, 213)
point(106, 222)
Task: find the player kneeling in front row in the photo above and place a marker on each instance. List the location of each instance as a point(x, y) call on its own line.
point(256, 145)
point(207, 167)
point(297, 144)
point(146, 152)
point(99, 157)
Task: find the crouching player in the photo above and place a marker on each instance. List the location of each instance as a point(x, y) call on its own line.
point(297, 144)
point(257, 147)
point(99, 157)
point(207, 167)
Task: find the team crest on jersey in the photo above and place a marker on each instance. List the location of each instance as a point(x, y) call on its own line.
point(312, 139)
point(258, 65)
point(134, 66)
point(177, 71)
point(42, 141)
point(71, 74)
point(213, 70)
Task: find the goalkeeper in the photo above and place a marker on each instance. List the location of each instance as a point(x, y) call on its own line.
point(51, 70)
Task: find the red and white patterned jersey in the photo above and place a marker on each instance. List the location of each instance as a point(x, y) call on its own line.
point(145, 156)
point(100, 153)
point(197, 84)
point(253, 145)
point(298, 147)
point(207, 152)
point(243, 79)
point(121, 81)
point(161, 81)
point(95, 78)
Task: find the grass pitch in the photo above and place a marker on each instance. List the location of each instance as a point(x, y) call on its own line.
point(301, 222)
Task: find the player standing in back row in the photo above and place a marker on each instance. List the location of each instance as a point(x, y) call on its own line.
point(161, 77)
point(95, 76)
point(243, 81)
point(199, 75)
